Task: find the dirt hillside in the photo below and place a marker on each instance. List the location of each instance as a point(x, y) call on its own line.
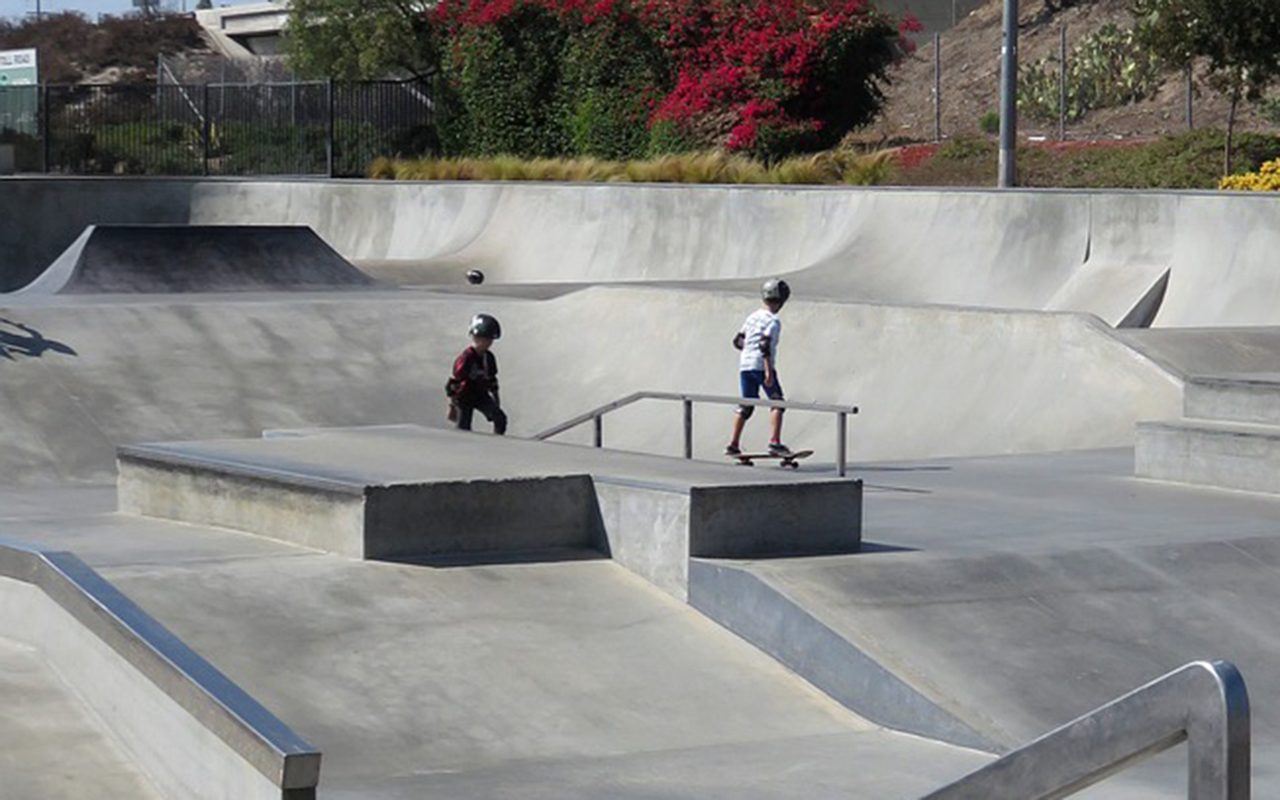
point(971, 80)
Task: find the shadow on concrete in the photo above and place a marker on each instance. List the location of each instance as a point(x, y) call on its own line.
point(880, 487)
point(28, 342)
point(902, 468)
point(872, 548)
point(556, 556)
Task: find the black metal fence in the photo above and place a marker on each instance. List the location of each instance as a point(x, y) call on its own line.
point(333, 129)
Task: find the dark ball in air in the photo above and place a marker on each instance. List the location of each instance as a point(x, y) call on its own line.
point(475, 276)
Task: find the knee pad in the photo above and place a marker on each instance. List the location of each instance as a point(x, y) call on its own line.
point(746, 411)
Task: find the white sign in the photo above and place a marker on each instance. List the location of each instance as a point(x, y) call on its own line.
point(18, 68)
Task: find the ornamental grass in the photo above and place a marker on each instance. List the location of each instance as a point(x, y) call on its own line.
point(832, 167)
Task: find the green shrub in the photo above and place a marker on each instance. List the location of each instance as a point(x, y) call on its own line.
point(506, 81)
point(966, 147)
point(612, 76)
point(1108, 68)
point(989, 122)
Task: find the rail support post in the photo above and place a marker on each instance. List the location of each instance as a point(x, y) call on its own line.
point(599, 434)
point(688, 428)
point(842, 435)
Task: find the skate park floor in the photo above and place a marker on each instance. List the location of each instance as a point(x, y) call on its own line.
point(1018, 590)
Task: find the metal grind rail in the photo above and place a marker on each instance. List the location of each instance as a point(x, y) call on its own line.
point(1204, 704)
point(596, 416)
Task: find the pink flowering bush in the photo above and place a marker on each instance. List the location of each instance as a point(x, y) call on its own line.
point(623, 78)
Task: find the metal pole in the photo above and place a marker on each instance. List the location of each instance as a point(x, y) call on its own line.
point(46, 148)
point(1009, 97)
point(207, 129)
point(937, 87)
point(599, 425)
point(842, 435)
point(688, 429)
point(1190, 105)
point(1062, 87)
point(331, 165)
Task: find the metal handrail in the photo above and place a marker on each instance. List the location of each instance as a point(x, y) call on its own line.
point(1203, 703)
point(596, 415)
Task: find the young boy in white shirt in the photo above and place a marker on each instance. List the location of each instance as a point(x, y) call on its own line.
point(758, 365)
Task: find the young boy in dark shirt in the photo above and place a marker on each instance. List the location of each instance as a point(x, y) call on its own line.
point(474, 383)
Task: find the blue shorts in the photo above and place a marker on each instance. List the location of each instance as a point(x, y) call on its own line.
point(753, 381)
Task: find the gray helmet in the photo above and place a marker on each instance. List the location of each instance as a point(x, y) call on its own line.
point(776, 289)
point(486, 327)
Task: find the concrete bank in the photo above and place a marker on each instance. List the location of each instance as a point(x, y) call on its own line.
point(188, 728)
point(87, 376)
point(527, 680)
point(1178, 258)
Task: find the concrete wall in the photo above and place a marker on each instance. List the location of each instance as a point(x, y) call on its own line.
point(645, 528)
point(330, 519)
point(479, 516)
point(1077, 251)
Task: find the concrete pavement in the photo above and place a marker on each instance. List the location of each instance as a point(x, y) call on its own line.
point(522, 679)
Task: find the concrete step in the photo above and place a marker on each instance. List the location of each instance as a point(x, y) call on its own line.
point(1250, 398)
point(1227, 455)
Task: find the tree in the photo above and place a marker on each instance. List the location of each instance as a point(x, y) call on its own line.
point(359, 39)
point(1240, 39)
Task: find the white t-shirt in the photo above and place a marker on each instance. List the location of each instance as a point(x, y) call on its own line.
point(760, 324)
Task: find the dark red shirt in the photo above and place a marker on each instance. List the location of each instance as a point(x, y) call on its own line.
point(475, 374)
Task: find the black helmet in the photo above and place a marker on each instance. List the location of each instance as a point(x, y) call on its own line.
point(486, 327)
point(776, 289)
point(475, 276)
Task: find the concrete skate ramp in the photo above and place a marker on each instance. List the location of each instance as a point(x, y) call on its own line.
point(151, 259)
point(534, 681)
point(1100, 253)
point(49, 741)
point(1019, 593)
point(182, 723)
point(1225, 267)
point(1126, 270)
point(930, 381)
point(1188, 352)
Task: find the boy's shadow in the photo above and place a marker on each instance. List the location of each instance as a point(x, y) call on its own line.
point(27, 342)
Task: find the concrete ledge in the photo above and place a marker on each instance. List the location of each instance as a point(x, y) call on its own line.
point(653, 530)
point(1249, 398)
point(738, 521)
point(761, 614)
point(190, 729)
point(1223, 455)
point(409, 493)
point(311, 513)
point(419, 519)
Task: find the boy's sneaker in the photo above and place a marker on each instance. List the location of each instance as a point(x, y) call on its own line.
point(732, 450)
point(779, 449)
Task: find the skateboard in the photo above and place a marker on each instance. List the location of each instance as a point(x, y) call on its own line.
point(790, 460)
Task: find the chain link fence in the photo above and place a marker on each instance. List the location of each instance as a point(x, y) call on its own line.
point(1075, 83)
point(295, 128)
